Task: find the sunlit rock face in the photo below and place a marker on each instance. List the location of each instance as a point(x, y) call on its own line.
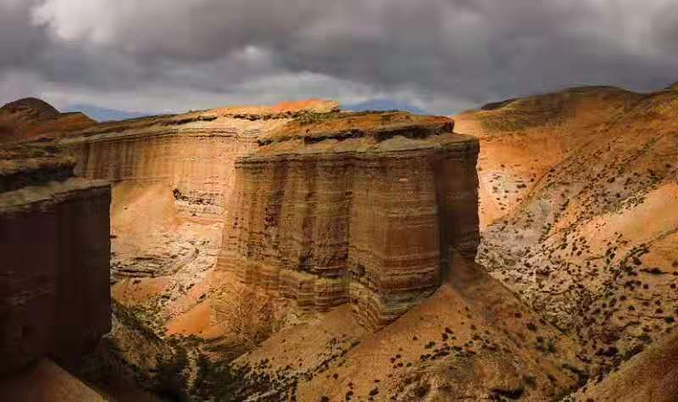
point(353, 207)
point(55, 248)
point(193, 152)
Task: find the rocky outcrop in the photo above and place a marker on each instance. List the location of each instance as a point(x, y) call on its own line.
point(353, 207)
point(55, 247)
point(193, 152)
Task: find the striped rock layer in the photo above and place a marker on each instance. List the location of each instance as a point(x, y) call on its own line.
point(193, 152)
point(361, 208)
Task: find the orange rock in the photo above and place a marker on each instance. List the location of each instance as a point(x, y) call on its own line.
point(358, 207)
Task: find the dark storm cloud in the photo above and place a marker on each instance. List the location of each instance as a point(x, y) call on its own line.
point(442, 55)
point(19, 39)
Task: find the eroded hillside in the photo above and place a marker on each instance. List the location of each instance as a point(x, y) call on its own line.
point(578, 196)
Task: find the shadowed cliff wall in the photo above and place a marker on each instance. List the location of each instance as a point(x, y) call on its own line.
point(54, 274)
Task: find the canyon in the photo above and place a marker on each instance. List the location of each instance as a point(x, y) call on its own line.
point(525, 250)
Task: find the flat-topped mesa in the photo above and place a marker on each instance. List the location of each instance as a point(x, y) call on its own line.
point(353, 207)
point(193, 153)
point(55, 248)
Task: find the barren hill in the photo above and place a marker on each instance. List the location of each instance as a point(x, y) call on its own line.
point(578, 199)
point(31, 118)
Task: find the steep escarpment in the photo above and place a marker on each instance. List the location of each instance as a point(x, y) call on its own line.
point(193, 153)
point(55, 247)
point(360, 208)
point(589, 228)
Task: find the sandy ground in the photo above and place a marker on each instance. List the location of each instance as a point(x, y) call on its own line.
point(46, 382)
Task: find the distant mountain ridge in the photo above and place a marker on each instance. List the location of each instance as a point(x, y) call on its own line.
point(105, 114)
point(383, 105)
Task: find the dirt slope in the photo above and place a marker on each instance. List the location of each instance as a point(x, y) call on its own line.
point(46, 382)
point(522, 139)
point(649, 376)
point(471, 339)
point(589, 229)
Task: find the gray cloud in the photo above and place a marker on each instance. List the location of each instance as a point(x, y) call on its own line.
point(439, 55)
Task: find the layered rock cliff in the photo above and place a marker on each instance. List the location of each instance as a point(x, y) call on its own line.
point(55, 247)
point(192, 152)
point(353, 207)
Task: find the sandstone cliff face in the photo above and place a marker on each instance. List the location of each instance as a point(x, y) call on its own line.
point(193, 152)
point(54, 277)
point(359, 208)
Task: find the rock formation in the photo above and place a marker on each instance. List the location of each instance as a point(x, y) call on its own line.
point(193, 152)
point(268, 230)
point(357, 161)
point(54, 276)
point(359, 207)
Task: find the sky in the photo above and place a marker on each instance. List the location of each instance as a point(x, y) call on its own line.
point(437, 56)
